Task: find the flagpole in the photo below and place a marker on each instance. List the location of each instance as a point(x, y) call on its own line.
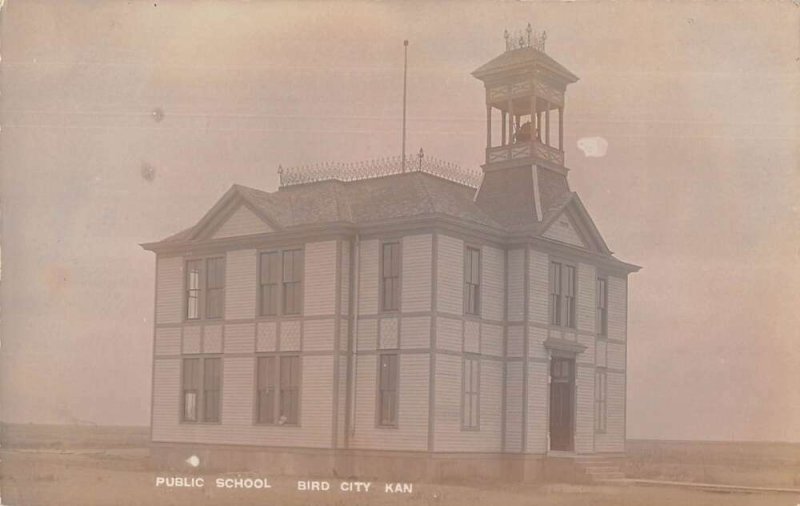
point(405, 78)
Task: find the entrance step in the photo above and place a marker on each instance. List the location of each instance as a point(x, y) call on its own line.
point(600, 468)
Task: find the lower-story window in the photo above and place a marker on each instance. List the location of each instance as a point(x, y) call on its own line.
point(278, 389)
point(387, 390)
point(201, 387)
point(470, 414)
point(600, 406)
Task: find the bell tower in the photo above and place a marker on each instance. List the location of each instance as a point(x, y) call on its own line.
point(524, 171)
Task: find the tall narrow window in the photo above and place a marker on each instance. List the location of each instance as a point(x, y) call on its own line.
point(569, 296)
point(390, 276)
point(215, 285)
point(193, 289)
point(602, 306)
point(191, 389)
point(555, 293)
point(292, 281)
point(600, 394)
point(471, 402)
point(290, 389)
point(212, 378)
point(472, 281)
point(265, 390)
point(387, 390)
point(269, 277)
point(562, 294)
point(201, 387)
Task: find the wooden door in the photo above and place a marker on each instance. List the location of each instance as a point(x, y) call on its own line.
point(562, 405)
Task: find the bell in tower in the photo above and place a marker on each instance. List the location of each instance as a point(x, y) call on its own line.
point(524, 172)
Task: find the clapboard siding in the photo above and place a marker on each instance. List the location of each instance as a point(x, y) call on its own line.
point(563, 230)
point(586, 303)
point(515, 283)
point(536, 338)
point(240, 338)
point(192, 339)
point(617, 308)
point(587, 356)
point(344, 308)
point(411, 432)
point(212, 338)
point(492, 340)
point(242, 221)
point(513, 442)
point(240, 284)
point(319, 274)
point(237, 425)
point(450, 274)
point(515, 345)
point(537, 422)
point(615, 353)
point(539, 279)
point(415, 332)
point(601, 347)
point(492, 283)
point(318, 335)
point(168, 341)
point(613, 440)
point(368, 277)
point(169, 290)
point(448, 435)
point(584, 417)
point(417, 258)
point(367, 335)
point(449, 334)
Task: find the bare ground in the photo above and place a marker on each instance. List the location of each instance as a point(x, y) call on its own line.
point(122, 477)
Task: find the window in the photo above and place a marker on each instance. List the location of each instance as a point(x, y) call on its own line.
point(292, 281)
point(269, 279)
point(215, 284)
point(472, 281)
point(205, 288)
point(387, 390)
point(600, 392)
point(562, 294)
point(202, 380)
point(390, 276)
point(290, 390)
point(602, 306)
point(471, 404)
point(193, 289)
point(278, 390)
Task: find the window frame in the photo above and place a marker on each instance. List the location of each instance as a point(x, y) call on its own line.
point(203, 288)
point(600, 400)
point(200, 396)
point(379, 393)
point(468, 251)
point(467, 395)
point(396, 279)
point(277, 394)
point(562, 301)
point(280, 282)
point(601, 306)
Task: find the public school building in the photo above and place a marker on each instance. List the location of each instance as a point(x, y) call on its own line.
point(405, 319)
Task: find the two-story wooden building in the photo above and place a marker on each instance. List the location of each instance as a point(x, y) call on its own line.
point(396, 319)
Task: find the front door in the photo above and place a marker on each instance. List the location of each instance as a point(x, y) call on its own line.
point(562, 380)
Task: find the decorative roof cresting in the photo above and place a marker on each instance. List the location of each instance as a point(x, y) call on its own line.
point(530, 38)
point(356, 171)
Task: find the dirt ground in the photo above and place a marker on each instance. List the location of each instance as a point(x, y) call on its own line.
point(121, 476)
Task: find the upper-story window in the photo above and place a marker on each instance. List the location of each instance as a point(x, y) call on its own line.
point(205, 288)
point(472, 281)
point(562, 294)
point(602, 306)
point(390, 276)
point(281, 282)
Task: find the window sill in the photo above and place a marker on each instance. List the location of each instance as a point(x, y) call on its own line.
point(386, 426)
point(188, 422)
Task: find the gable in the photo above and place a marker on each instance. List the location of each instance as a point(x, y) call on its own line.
point(242, 221)
point(563, 229)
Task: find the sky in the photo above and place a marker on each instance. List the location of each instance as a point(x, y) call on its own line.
point(124, 122)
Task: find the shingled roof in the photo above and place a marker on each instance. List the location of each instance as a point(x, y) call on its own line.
point(520, 59)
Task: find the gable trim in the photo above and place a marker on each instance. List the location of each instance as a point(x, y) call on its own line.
point(223, 209)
